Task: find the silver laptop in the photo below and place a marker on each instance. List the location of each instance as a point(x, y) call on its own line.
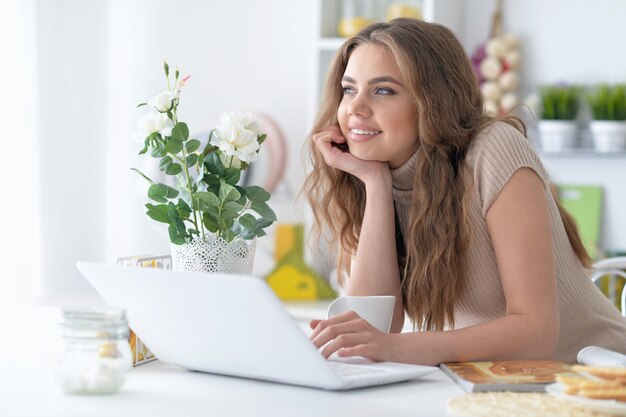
point(231, 325)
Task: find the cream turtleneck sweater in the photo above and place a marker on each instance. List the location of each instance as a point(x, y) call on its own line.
point(587, 317)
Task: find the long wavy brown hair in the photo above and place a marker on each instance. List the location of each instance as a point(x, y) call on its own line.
point(449, 104)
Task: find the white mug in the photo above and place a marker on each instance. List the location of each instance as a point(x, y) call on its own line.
point(377, 310)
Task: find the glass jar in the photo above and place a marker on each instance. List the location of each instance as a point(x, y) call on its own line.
point(96, 356)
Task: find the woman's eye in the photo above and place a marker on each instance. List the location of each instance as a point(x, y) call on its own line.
point(383, 91)
point(347, 90)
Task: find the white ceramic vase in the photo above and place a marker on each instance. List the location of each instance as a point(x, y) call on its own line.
point(557, 135)
point(214, 255)
point(608, 135)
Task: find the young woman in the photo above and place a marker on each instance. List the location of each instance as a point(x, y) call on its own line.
point(431, 200)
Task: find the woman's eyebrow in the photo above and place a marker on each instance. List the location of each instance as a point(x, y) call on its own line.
point(376, 80)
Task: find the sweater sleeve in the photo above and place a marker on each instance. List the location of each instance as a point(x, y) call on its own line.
point(498, 152)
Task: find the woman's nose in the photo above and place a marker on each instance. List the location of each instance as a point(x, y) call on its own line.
point(359, 106)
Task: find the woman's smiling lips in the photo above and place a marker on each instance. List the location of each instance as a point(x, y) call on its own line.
point(363, 134)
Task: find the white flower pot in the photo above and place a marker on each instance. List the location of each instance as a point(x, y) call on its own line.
point(557, 135)
point(214, 255)
point(608, 135)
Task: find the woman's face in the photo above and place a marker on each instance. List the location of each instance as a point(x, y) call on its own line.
point(376, 115)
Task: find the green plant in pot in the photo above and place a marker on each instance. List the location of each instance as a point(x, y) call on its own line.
point(212, 222)
point(559, 109)
point(608, 108)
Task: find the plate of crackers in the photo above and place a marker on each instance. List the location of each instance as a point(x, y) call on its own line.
point(599, 388)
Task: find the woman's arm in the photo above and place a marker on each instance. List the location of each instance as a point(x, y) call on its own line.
point(374, 269)
point(521, 233)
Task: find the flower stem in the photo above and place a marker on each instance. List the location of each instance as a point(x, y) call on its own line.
point(184, 162)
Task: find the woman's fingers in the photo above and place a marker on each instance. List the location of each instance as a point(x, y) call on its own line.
point(343, 342)
point(322, 325)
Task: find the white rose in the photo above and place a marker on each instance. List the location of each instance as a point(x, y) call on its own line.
point(230, 161)
point(153, 122)
point(237, 136)
point(243, 119)
point(164, 101)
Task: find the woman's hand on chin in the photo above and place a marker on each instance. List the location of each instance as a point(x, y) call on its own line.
point(333, 147)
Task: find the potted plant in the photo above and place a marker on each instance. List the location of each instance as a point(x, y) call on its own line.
point(608, 127)
point(212, 221)
point(559, 108)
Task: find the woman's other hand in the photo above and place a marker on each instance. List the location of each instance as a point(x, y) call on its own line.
point(350, 335)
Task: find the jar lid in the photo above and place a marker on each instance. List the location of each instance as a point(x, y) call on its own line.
point(94, 323)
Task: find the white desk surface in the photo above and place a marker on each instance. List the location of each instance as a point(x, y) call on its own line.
point(157, 389)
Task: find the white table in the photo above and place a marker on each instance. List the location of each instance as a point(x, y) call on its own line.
point(158, 389)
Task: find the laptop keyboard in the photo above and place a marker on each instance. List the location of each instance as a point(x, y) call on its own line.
point(348, 370)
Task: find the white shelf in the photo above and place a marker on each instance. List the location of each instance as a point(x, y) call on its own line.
point(447, 12)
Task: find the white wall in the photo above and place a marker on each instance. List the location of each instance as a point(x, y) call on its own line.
point(577, 41)
point(571, 41)
point(19, 214)
point(99, 59)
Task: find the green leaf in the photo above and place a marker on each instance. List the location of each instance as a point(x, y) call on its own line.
point(232, 175)
point(180, 132)
point(229, 235)
point(260, 233)
point(174, 169)
point(257, 194)
point(172, 213)
point(183, 208)
point(261, 138)
point(161, 192)
point(141, 105)
point(166, 68)
point(248, 221)
point(158, 150)
point(228, 193)
point(143, 175)
point(176, 237)
point(165, 162)
point(208, 198)
point(262, 223)
point(209, 220)
point(233, 206)
point(264, 210)
point(243, 199)
point(214, 164)
point(158, 213)
point(213, 183)
point(192, 159)
point(173, 146)
point(192, 145)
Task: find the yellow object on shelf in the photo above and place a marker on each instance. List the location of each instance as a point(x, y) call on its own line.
point(412, 10)
point(292, 278)
point(350, 26)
